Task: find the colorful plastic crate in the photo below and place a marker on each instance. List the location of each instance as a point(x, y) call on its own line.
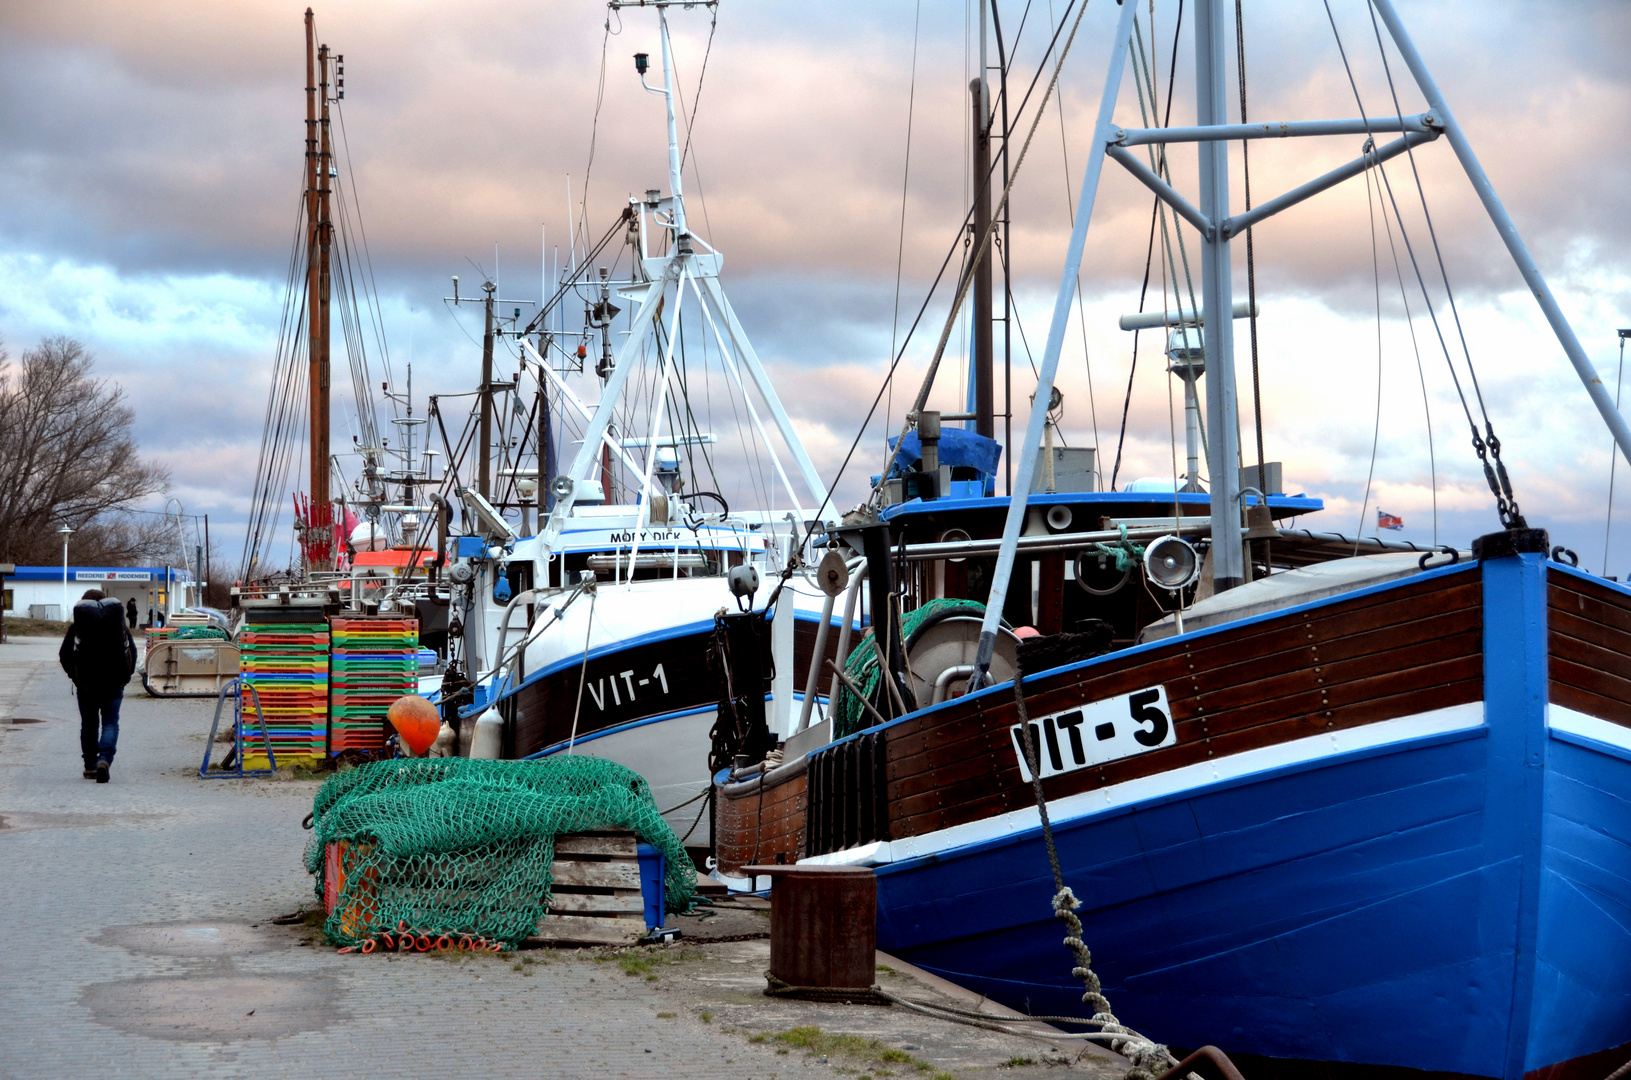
point(287, 664)
point(372, 662)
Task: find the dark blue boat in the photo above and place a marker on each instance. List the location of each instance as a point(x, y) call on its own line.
point(1446, 889)
point(1339, 816)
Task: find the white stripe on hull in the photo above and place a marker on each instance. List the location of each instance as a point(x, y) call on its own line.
point(1183, 780)
point(1562, 718)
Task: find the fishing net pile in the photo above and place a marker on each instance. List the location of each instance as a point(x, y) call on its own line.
point(465, 847)
point(849, 715)
point(197, 633)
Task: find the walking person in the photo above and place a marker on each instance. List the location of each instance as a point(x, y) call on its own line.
point(99, 655)
point(130, 613)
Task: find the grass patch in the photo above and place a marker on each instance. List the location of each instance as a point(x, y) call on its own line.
point(706, 1018)
point(666, 1016)
point(815, 1042)
point(50, 628)
point(1018, 1062)
point(637, 962)
point(885, 968)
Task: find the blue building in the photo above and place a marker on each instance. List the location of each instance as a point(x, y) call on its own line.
point(40, 591)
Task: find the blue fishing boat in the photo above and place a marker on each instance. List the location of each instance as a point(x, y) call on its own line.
point(1338, 813)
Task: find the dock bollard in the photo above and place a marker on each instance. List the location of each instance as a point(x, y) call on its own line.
point(823, 931)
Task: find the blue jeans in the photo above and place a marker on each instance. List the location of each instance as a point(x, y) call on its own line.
point(103, 713)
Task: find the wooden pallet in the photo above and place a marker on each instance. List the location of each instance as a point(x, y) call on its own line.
point(596, 898)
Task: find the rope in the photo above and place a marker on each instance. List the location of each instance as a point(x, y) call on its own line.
point(583, 671)
point(855, 996)
point(1613, 459)
point(1149, 1058)
point(1126, 553)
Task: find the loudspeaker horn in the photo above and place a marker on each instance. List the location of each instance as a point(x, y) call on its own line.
point(1059, 517)
point(1172, 563)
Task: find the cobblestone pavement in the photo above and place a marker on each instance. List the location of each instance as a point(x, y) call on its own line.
point(141, 944)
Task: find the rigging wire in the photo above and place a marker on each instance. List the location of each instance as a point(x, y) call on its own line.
point(985, 241)
point(952, 250)
point(594, 135)
point(372, 291)
point(689, 117)
point(283, 425)
point(1376, 432)
point(696, 98)
point(906, 175)
point(1157, 212)
point(1070, 207)
point(1613, 458)
point(1495, 473)
point(1144, 81)
point(1421, 371)
point(1507, 509)
point(1251, 253)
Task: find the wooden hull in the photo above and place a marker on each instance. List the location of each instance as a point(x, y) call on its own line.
point(1412, 801)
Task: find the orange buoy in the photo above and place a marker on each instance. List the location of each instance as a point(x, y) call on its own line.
point(416, 721)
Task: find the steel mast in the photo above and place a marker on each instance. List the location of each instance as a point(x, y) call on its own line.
point(688, 262)
point(1217, 299)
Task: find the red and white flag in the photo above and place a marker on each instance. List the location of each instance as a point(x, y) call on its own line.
point(1385, 520)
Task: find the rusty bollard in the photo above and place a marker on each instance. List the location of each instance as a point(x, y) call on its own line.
point(823, 931)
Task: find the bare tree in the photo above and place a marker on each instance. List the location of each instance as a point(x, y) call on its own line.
point(67, 456)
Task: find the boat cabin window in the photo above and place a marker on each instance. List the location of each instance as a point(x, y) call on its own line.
point(649, 565)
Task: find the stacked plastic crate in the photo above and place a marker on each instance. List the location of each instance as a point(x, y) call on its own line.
point(373, 662)
point(287, 664)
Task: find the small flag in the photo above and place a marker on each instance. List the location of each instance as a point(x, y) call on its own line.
point(1385, 520)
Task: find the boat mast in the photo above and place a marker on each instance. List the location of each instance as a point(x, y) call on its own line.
point(1031, 447)
point(1217, 301)
point(319, 240)
point(691, 262)
point(682, 237)
point(984, 361)
point(484, 469)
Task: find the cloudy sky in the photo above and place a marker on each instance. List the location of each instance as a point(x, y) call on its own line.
point(151, 157)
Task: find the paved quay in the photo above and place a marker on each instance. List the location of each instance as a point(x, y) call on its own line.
point(142, 945)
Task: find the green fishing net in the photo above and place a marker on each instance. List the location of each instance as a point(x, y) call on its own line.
point(465, 847)
point(849, 715)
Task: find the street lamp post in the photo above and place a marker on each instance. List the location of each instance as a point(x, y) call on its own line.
point(66, 533)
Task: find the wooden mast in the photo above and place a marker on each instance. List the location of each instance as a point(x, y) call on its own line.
point(319, 241)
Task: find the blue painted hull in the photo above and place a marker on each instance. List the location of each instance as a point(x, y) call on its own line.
point(1457, 902)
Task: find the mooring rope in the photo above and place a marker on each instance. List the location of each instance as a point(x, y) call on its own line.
point(1149, 1058)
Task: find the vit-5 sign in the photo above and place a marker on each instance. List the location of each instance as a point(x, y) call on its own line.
point(1097, 732)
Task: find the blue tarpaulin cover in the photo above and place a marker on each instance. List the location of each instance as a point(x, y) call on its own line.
point(958, 448)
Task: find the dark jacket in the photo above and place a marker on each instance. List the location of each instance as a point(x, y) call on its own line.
point(98, 652)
